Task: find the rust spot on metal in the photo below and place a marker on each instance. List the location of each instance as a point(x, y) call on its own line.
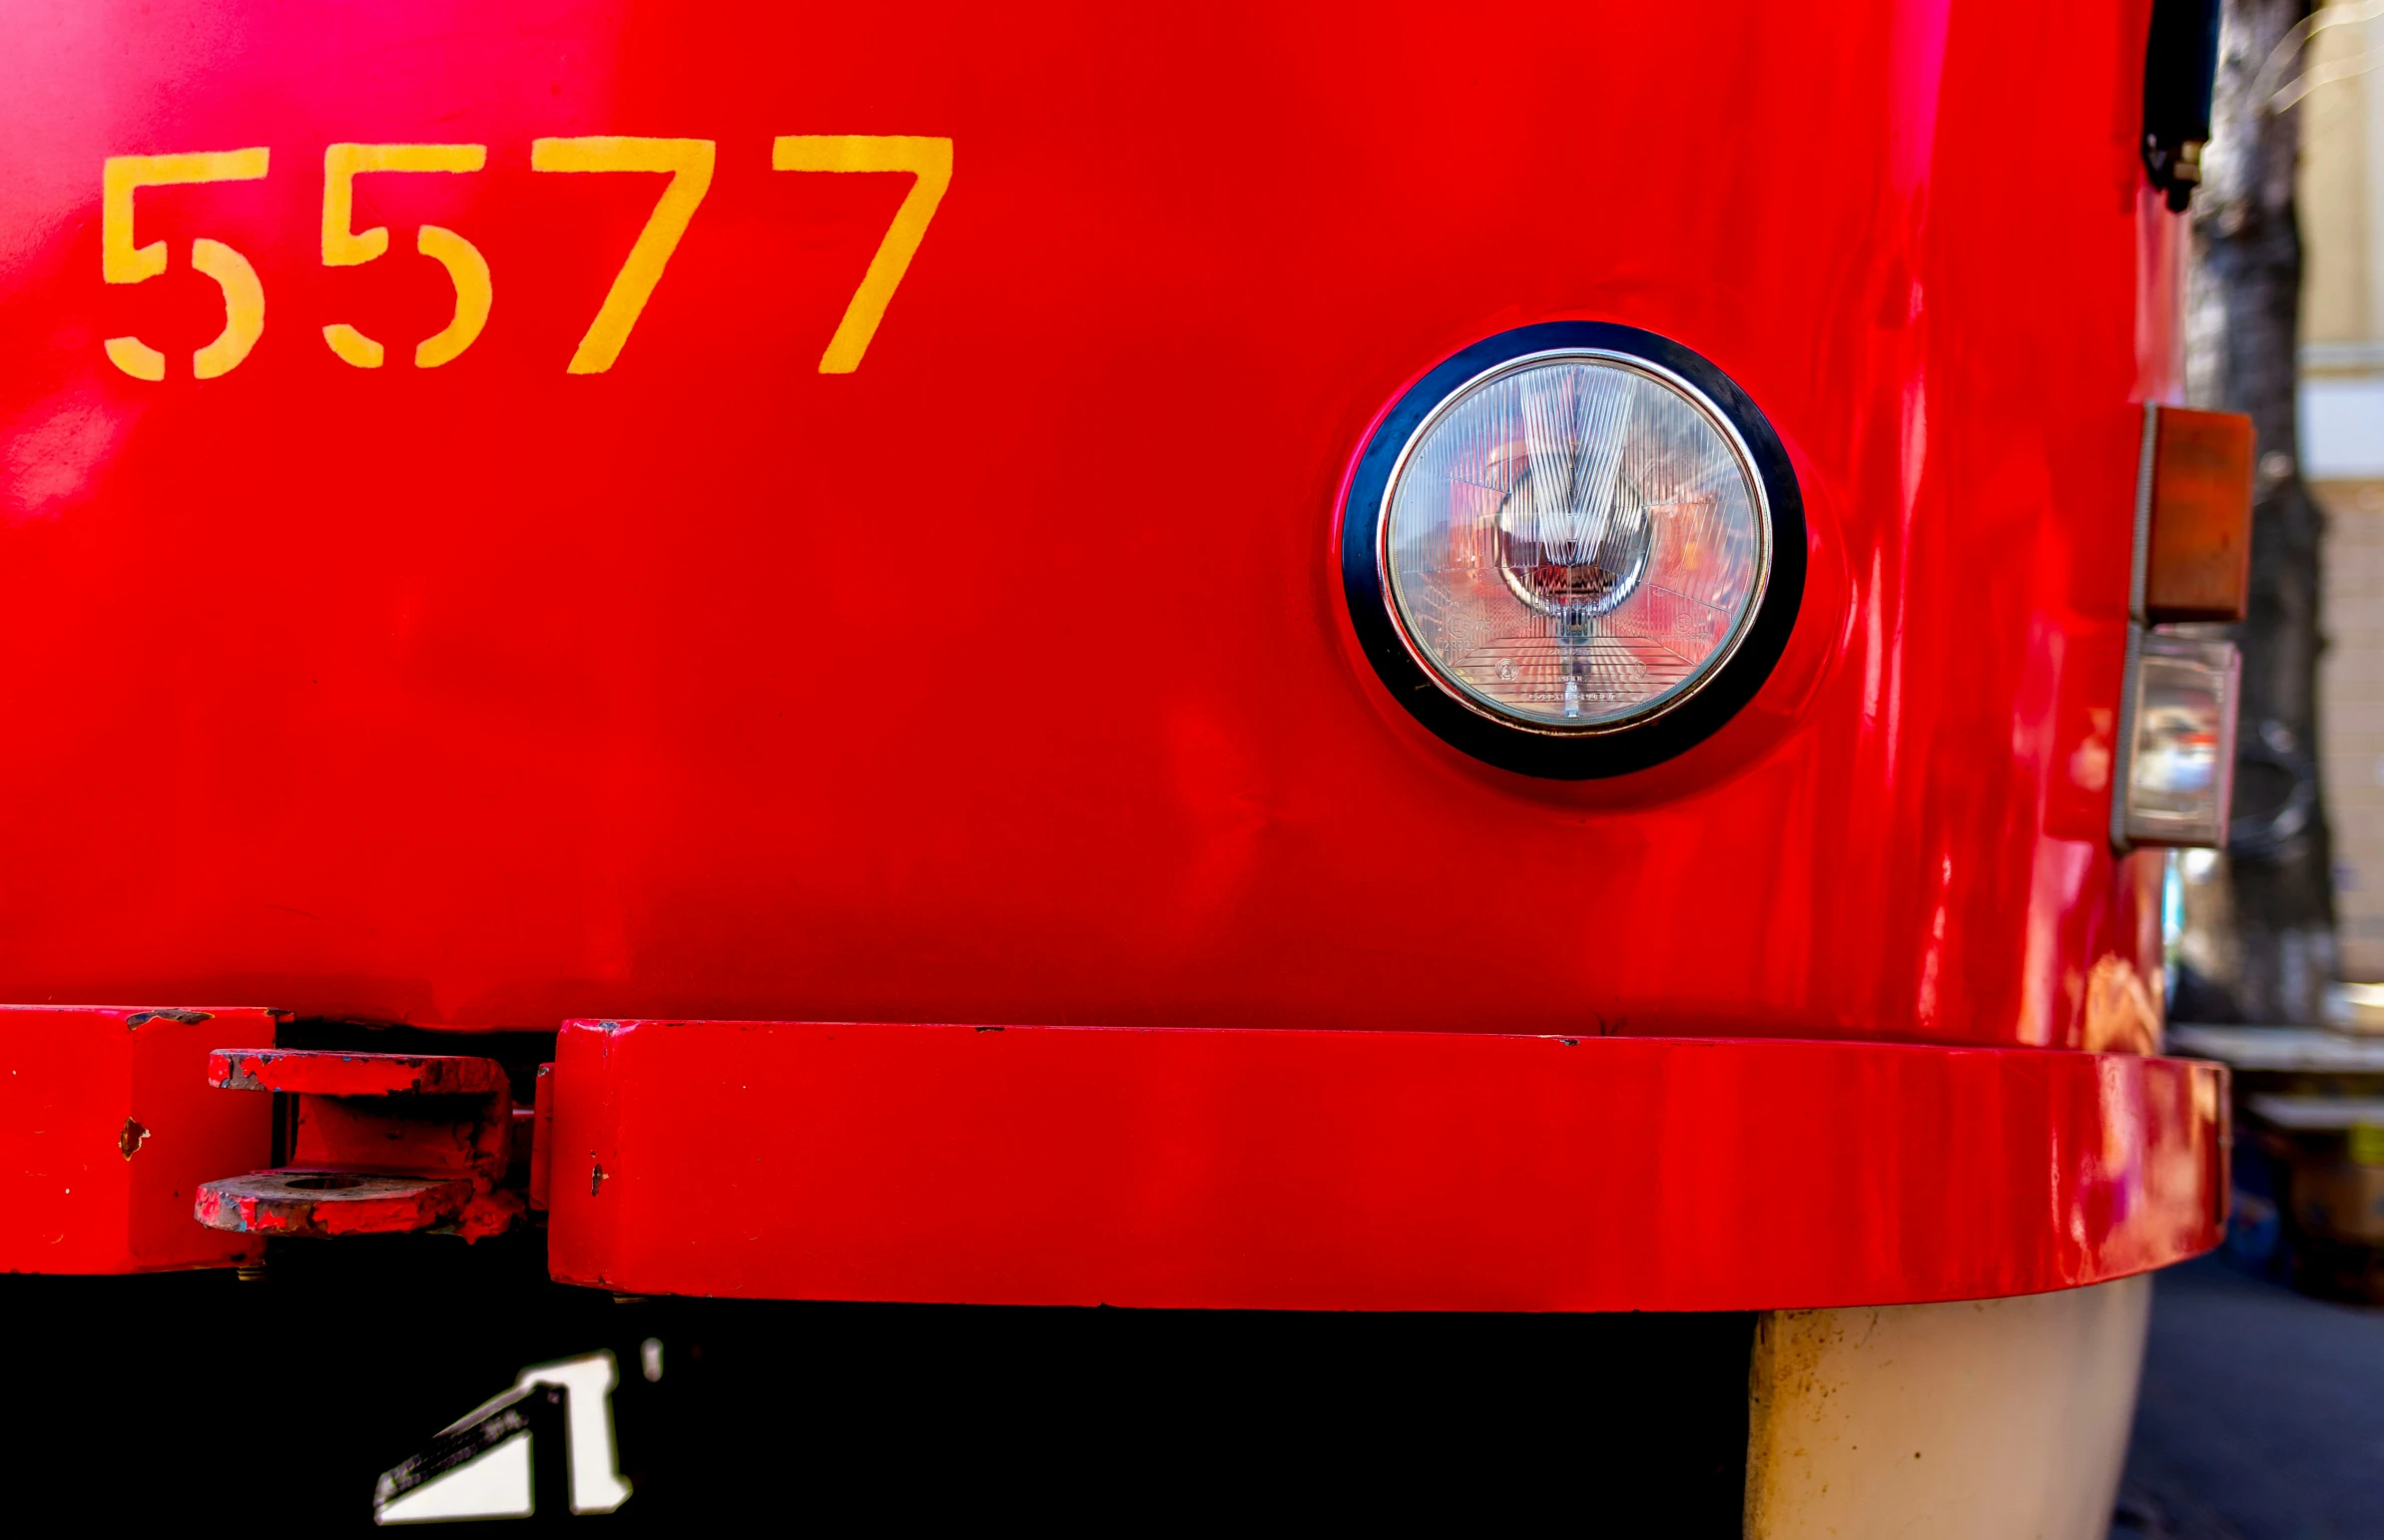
point(347, 1202)
point(288, 1203)
point(596, 1175)
point(320, 1073)
point(989, 1029)
point(185, 1018)
point(130, 1139)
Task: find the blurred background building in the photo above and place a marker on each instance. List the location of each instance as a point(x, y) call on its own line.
point(2341, 199)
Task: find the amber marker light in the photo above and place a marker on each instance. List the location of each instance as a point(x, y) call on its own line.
point(2193, 516)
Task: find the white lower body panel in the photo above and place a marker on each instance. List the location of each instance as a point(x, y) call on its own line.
point(1985, 1419)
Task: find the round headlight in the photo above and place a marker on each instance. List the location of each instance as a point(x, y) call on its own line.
point(1575, 534)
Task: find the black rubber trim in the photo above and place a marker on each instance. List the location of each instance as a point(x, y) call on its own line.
point(1579, 755)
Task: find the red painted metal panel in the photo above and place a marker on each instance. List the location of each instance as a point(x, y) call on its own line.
point(106, 1128)
point(1004, 678)
point(1364, 1170)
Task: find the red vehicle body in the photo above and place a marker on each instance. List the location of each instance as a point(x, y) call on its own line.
point(713, 691)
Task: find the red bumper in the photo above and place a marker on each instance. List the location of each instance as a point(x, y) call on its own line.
point(106, 1128)
point(1365, 1170)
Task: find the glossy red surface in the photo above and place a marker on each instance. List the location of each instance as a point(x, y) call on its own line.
point(1003, 678)
point(106, 1129)
point(1364, 1170)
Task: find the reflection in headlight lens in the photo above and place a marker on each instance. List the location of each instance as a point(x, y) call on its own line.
point(1574, 542)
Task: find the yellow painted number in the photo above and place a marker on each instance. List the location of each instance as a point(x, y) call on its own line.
point(466, 269)
point(927, 160)
point(689, 162)
point(122, 263)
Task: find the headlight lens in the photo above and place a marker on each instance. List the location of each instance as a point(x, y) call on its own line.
point(1574, 542)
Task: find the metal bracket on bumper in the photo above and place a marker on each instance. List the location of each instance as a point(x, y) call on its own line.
point(378, 1144)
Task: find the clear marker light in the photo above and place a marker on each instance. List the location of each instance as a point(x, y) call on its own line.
point(2182, 742)
point(1574, 542)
